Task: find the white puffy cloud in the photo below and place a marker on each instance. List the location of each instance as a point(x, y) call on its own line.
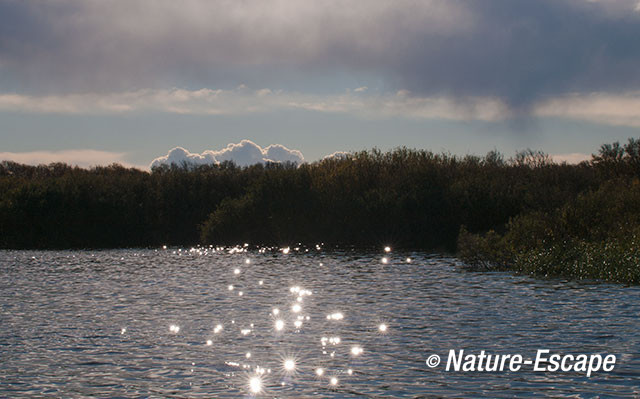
point(337, 155)
point(283, 154)
point(180, 156)
point(244, 153)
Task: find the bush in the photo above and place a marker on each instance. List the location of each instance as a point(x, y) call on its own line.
point(593, 237)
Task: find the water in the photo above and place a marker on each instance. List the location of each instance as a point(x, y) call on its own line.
point(129, 323)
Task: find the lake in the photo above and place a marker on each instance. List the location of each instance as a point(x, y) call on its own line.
point(245, 322)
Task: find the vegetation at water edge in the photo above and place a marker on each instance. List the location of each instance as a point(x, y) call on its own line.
point(525, 213)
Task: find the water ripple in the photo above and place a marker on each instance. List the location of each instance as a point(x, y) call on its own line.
point(128, 323)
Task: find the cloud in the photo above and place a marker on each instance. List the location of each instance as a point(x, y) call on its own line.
point(525, 52)
point(572, 158)
point(93, 46)
point(243, 153)
point(180, 156)
point(283, 154)
point(243, 101)
point(617, 109)
point(516, 52)
point(337, 155)
point(82, 158)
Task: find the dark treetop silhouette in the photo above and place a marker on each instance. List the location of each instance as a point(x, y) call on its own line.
point(525, 213)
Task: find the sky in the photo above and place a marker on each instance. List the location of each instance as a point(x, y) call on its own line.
point(141, 81)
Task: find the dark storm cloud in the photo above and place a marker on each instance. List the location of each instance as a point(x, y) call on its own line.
point(519, 51)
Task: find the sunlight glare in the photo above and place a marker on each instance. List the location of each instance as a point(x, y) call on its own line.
point(289, 365)
point(356, 350)
point(335, 316)
point(255, 384)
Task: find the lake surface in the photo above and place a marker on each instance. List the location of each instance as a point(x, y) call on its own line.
point(165, 323)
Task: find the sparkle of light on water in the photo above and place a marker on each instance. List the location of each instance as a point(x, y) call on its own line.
point(291, 322)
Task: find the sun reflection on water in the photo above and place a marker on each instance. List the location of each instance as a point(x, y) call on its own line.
point(289, 365)
point(335, 316)
point(255, 384)
point(330, 363)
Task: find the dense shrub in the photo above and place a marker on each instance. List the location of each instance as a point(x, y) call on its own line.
point(592, 236)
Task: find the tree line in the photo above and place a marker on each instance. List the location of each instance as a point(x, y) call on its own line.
point(410, 198)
